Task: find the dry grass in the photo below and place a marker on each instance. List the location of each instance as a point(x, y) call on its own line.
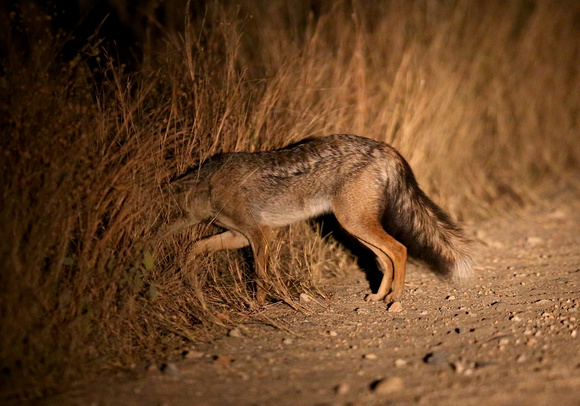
point(481, 97)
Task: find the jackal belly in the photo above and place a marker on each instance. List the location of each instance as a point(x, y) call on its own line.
point(287, 211)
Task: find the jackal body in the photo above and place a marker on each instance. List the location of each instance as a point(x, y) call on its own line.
point(366, 184)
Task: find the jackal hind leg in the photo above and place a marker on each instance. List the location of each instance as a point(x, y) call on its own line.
point(388, 274)
point(391, 254)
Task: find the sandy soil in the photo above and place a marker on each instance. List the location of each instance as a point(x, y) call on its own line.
point(510, 337)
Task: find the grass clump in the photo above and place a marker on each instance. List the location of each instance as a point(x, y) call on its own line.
point(479, 96)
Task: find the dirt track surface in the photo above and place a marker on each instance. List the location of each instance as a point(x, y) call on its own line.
point(511, 337)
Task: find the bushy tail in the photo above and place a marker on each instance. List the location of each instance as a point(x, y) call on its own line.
point(425, 229)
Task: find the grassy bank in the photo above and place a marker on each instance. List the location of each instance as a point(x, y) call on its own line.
point(481, 98)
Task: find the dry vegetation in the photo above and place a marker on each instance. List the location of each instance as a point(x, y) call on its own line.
point(481, 97)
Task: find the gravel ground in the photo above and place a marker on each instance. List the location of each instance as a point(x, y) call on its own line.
point(511, 337)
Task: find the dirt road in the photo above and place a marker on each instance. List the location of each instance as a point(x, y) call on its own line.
point(511, 337)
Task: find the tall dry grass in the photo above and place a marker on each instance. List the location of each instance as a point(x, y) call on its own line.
point(481, 97)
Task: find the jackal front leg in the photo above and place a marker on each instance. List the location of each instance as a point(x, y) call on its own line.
point(260, 239)
point(228, 240)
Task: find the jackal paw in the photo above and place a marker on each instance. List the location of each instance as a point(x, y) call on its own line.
point(392, 297)
point(374, 297)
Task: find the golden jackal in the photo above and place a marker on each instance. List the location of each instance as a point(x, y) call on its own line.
point(366, 184)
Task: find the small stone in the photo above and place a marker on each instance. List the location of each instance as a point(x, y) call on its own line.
point(332, 333)
point(305, 298)
point(557, 214)
point(152, 368)
point(287, 341)
point(515, 318)
point(534, 241)
point(400, 362)
point(499, 306)
point(170, 369)
point(521, 358)
point(235, 332)
point(191, 354)
point(370, 356)
point(361, 310)
point(342, 388)
point(450, 297)
point(222, 360)
point(459, 366)
point(574, 333)
point(395, 307)
point(435, 358)
point(387, 386)
point(542, 301)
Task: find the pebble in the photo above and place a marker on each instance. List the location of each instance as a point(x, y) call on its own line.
point(387, 386)
point(400, 362)
point(521, 358)
point(558, 214)
point(235, 332)
point(395, 307)
point(499, 306)
point(504, 341)
point(459, 367)
point(287, 341)
point(370, 356)
point(342, 388)
point(305, 298)
point(450, 297)
point(222, 360)
point(542, 301)
point(332, 333)
point(534, 241)
point(170, 369)
point(192, 354)
point(435, 358)
point(361, 310)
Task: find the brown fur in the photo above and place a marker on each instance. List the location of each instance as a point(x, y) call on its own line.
point(365, 183)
